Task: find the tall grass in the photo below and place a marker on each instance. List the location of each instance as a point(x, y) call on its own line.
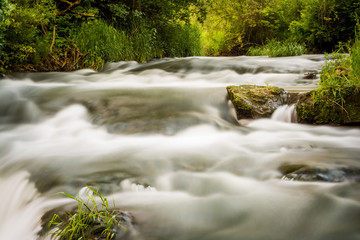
point(181, 40)
point(102, 43)
point(340, 77)
point(335, 79)
point(355, 60)
point(145, 42)
point(275, 48)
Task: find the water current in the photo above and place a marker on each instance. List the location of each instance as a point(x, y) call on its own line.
point(160, 140)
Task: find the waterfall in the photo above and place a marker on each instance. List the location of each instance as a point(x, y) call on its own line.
point(285, 113)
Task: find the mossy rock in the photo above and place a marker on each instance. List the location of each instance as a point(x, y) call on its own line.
point(328, 111)
point(251, 101)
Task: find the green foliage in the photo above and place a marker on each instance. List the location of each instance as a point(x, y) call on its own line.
point(145, 42)
point(275, 48)
point(325, 23)
point(5, 10)
point(355, 58)
point(80, 225)
point(232, 26)
point(102, 43)
point(334, 79)
point(112, 30)
point(336, 98)
point(4, 14)
point(26, 21)
point(339, 80)
point(181, 40)
point(58, 35)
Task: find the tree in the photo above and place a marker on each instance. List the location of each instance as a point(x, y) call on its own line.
point(325, 23)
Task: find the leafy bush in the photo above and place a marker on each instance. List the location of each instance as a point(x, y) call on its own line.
point(323, 24)
point(275, 48)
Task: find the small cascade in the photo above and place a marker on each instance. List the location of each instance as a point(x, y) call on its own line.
point(285, 113)
point(20, 208)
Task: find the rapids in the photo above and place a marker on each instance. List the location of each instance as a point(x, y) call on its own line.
point(176, 158)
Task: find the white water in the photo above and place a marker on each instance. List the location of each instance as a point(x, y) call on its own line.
point(285, 114)
point(177, 160)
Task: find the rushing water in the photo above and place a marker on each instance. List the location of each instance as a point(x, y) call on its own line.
point(174, 156)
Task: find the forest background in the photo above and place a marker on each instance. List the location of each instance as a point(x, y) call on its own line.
point(65, 35)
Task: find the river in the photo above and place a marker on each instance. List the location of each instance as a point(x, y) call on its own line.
point(160, 140)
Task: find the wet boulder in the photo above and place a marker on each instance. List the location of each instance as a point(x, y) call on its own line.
point(251, 101)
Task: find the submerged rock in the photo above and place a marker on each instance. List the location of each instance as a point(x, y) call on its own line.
point(251, 101)
point(300, 172)
point(125, 114)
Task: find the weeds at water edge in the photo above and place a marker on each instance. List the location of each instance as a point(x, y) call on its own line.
point(88, 221)
point(275, 48)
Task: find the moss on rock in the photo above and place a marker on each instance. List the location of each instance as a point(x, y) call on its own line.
point(251, 101)
point(326, 111)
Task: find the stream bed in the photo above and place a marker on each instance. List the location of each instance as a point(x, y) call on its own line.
point(160, 141)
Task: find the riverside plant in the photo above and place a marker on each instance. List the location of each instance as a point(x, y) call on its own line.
point(275, 48)
point(88, 222)
point(340, 77)
point(335, 99)
point(334, 79)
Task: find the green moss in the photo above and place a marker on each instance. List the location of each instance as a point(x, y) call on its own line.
point(327, 111)
point(252, 101)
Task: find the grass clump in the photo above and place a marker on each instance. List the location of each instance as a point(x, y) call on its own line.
point(335, 81)
point(88, 222)
point(340, 76)
point(336, 100)
point(275, 48)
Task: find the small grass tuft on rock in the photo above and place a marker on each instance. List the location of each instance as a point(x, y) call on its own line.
point(88, 222)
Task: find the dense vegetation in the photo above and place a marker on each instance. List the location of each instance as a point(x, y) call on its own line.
point(232, 27)
point(45, 35)
point(70, 34)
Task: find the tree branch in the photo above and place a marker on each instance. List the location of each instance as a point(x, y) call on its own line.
point(71, 6)
point(53, 40)
point(83, 14)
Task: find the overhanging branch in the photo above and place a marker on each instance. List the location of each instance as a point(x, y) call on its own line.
point(71, 6)
point(82, 14)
